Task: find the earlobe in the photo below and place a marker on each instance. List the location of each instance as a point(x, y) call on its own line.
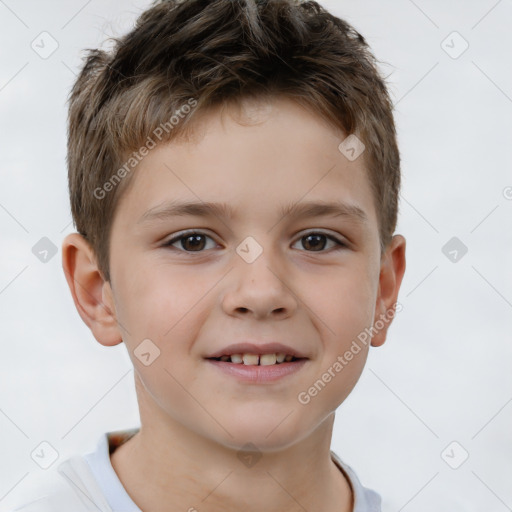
point(91, 294)
point(390, 278)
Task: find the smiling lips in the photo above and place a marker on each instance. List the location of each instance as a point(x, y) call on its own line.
point(252, 354)
point(257, 368)
point(255, 359)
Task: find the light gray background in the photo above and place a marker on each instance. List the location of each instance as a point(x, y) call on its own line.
point(444, 373)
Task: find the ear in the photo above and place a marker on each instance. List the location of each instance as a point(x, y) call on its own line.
point(91, 293)
point(391, 273)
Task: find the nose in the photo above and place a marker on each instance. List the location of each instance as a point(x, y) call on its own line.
point(260, 289)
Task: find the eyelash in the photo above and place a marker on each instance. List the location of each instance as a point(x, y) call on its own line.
point(184, 234)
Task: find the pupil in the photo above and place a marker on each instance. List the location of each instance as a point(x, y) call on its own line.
point(315, 237)
point(195, 244)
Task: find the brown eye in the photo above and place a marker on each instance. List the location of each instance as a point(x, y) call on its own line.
point(316, 241)
point(192, 241)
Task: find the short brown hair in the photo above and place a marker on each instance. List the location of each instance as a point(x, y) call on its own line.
point(207, 53)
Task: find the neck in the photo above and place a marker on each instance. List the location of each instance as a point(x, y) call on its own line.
point(166, 466)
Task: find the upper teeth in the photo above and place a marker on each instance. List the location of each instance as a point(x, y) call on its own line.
point(254, 359)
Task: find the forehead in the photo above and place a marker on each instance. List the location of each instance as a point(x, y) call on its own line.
point(270, 157)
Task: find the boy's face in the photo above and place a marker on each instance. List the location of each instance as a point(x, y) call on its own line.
point(198, 296)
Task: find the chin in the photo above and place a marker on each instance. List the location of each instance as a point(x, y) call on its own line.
point(269, 433)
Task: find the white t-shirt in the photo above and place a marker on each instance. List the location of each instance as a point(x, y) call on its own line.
point(89, 483)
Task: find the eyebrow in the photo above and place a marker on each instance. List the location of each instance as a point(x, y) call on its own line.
point(172, 209)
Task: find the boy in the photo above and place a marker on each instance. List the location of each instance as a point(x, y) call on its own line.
point(263, 129)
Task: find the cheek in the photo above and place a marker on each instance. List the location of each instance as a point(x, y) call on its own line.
point(158, 301)
point(162, 310)
point(343, 303)
point(345, 309)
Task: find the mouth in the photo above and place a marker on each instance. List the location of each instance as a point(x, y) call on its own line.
point(256, 362)
point(257, 359)
point(257, 368)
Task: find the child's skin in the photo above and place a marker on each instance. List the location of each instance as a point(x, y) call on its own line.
point(194, 418)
